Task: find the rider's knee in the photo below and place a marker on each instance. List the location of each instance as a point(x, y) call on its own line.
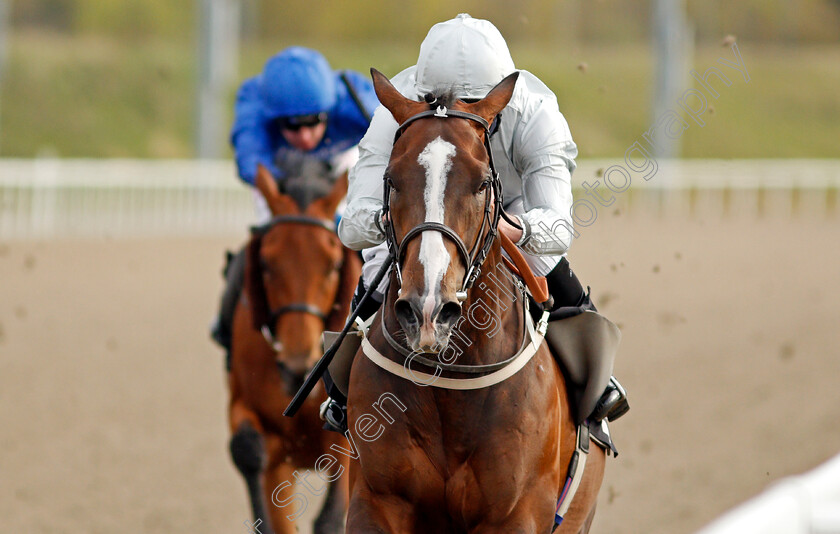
point(565, 287)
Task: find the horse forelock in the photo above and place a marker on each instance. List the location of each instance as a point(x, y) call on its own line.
point(442, 96)
point(304, 189)
point(306, 179)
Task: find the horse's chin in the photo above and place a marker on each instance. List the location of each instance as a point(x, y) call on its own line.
point(441, 341)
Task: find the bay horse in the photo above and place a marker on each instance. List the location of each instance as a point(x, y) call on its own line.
point(478, 460)
point(299, 281)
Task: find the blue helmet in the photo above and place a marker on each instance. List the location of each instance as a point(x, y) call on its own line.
point(297, 81)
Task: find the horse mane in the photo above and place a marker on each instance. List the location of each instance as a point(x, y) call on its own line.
point(306, 178)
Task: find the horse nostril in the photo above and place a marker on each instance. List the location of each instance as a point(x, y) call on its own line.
point(405, 313)
point(449, 314)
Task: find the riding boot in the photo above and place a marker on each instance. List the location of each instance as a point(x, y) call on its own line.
point(334, 409)
point(585, 345)
point(222, 329)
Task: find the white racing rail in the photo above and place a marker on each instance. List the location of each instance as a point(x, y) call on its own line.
point(48, 198)
point(803, 504)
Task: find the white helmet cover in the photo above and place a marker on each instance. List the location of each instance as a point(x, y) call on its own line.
point(466, 55)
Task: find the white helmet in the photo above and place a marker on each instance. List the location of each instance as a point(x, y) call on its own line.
point(466, 55)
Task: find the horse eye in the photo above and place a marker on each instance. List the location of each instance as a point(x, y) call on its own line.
point(483, 185)
point(265, 268)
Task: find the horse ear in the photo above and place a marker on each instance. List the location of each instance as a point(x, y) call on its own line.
point(277, 202)
point(327, 204)
point(400, 107)
point(496, 100)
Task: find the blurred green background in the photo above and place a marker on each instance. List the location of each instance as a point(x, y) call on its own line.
point(117, 78)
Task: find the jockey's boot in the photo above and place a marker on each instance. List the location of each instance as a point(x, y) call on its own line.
point(612, 404)
point(222, 329)
point(334, 409)
point(585, 348)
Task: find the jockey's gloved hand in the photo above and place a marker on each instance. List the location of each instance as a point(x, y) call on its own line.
point(373, 302)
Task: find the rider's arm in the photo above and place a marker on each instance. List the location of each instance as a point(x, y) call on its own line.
point(544, 154)
point(249, 136)
point(360, 226)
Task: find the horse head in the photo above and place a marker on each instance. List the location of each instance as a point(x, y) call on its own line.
point(297, 276)
point(440, 195)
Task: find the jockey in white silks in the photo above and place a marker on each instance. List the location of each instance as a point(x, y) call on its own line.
point(533, 152)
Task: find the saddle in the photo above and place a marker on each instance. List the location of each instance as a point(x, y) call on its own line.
point(584, 344)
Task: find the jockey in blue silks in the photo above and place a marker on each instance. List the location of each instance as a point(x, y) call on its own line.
point(297, 114)
point(299, 107)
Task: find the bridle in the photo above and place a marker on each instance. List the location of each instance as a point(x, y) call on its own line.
point(474, 257)
point(269, 328)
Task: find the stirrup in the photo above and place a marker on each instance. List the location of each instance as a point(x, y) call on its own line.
point(334, 416)
point(612, 404)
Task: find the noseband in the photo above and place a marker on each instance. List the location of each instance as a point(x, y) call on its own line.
point(474, 257)
point(269, 328)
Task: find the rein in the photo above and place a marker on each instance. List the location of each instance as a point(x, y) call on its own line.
point(268, 329)
point(474, 257)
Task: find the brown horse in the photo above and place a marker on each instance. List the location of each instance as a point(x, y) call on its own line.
point(299, 280)
point(485, 460)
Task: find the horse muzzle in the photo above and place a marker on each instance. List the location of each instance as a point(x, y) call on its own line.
point(427, 326)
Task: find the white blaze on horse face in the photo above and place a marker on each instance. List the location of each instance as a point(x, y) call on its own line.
point(436, 158)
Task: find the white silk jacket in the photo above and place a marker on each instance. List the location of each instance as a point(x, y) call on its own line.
point(533, 149)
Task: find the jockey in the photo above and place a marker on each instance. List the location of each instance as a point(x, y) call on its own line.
point(533, 152)
point(297, 114)
point(299, 106)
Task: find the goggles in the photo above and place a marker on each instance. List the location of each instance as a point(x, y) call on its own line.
point(301, 121)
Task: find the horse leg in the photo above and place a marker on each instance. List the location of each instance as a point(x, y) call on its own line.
point(247, 449)
point(529, 516)
point(287, 502)
point(373, 514)
point(588, 523)
point(248, 454)
point(331, 518)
